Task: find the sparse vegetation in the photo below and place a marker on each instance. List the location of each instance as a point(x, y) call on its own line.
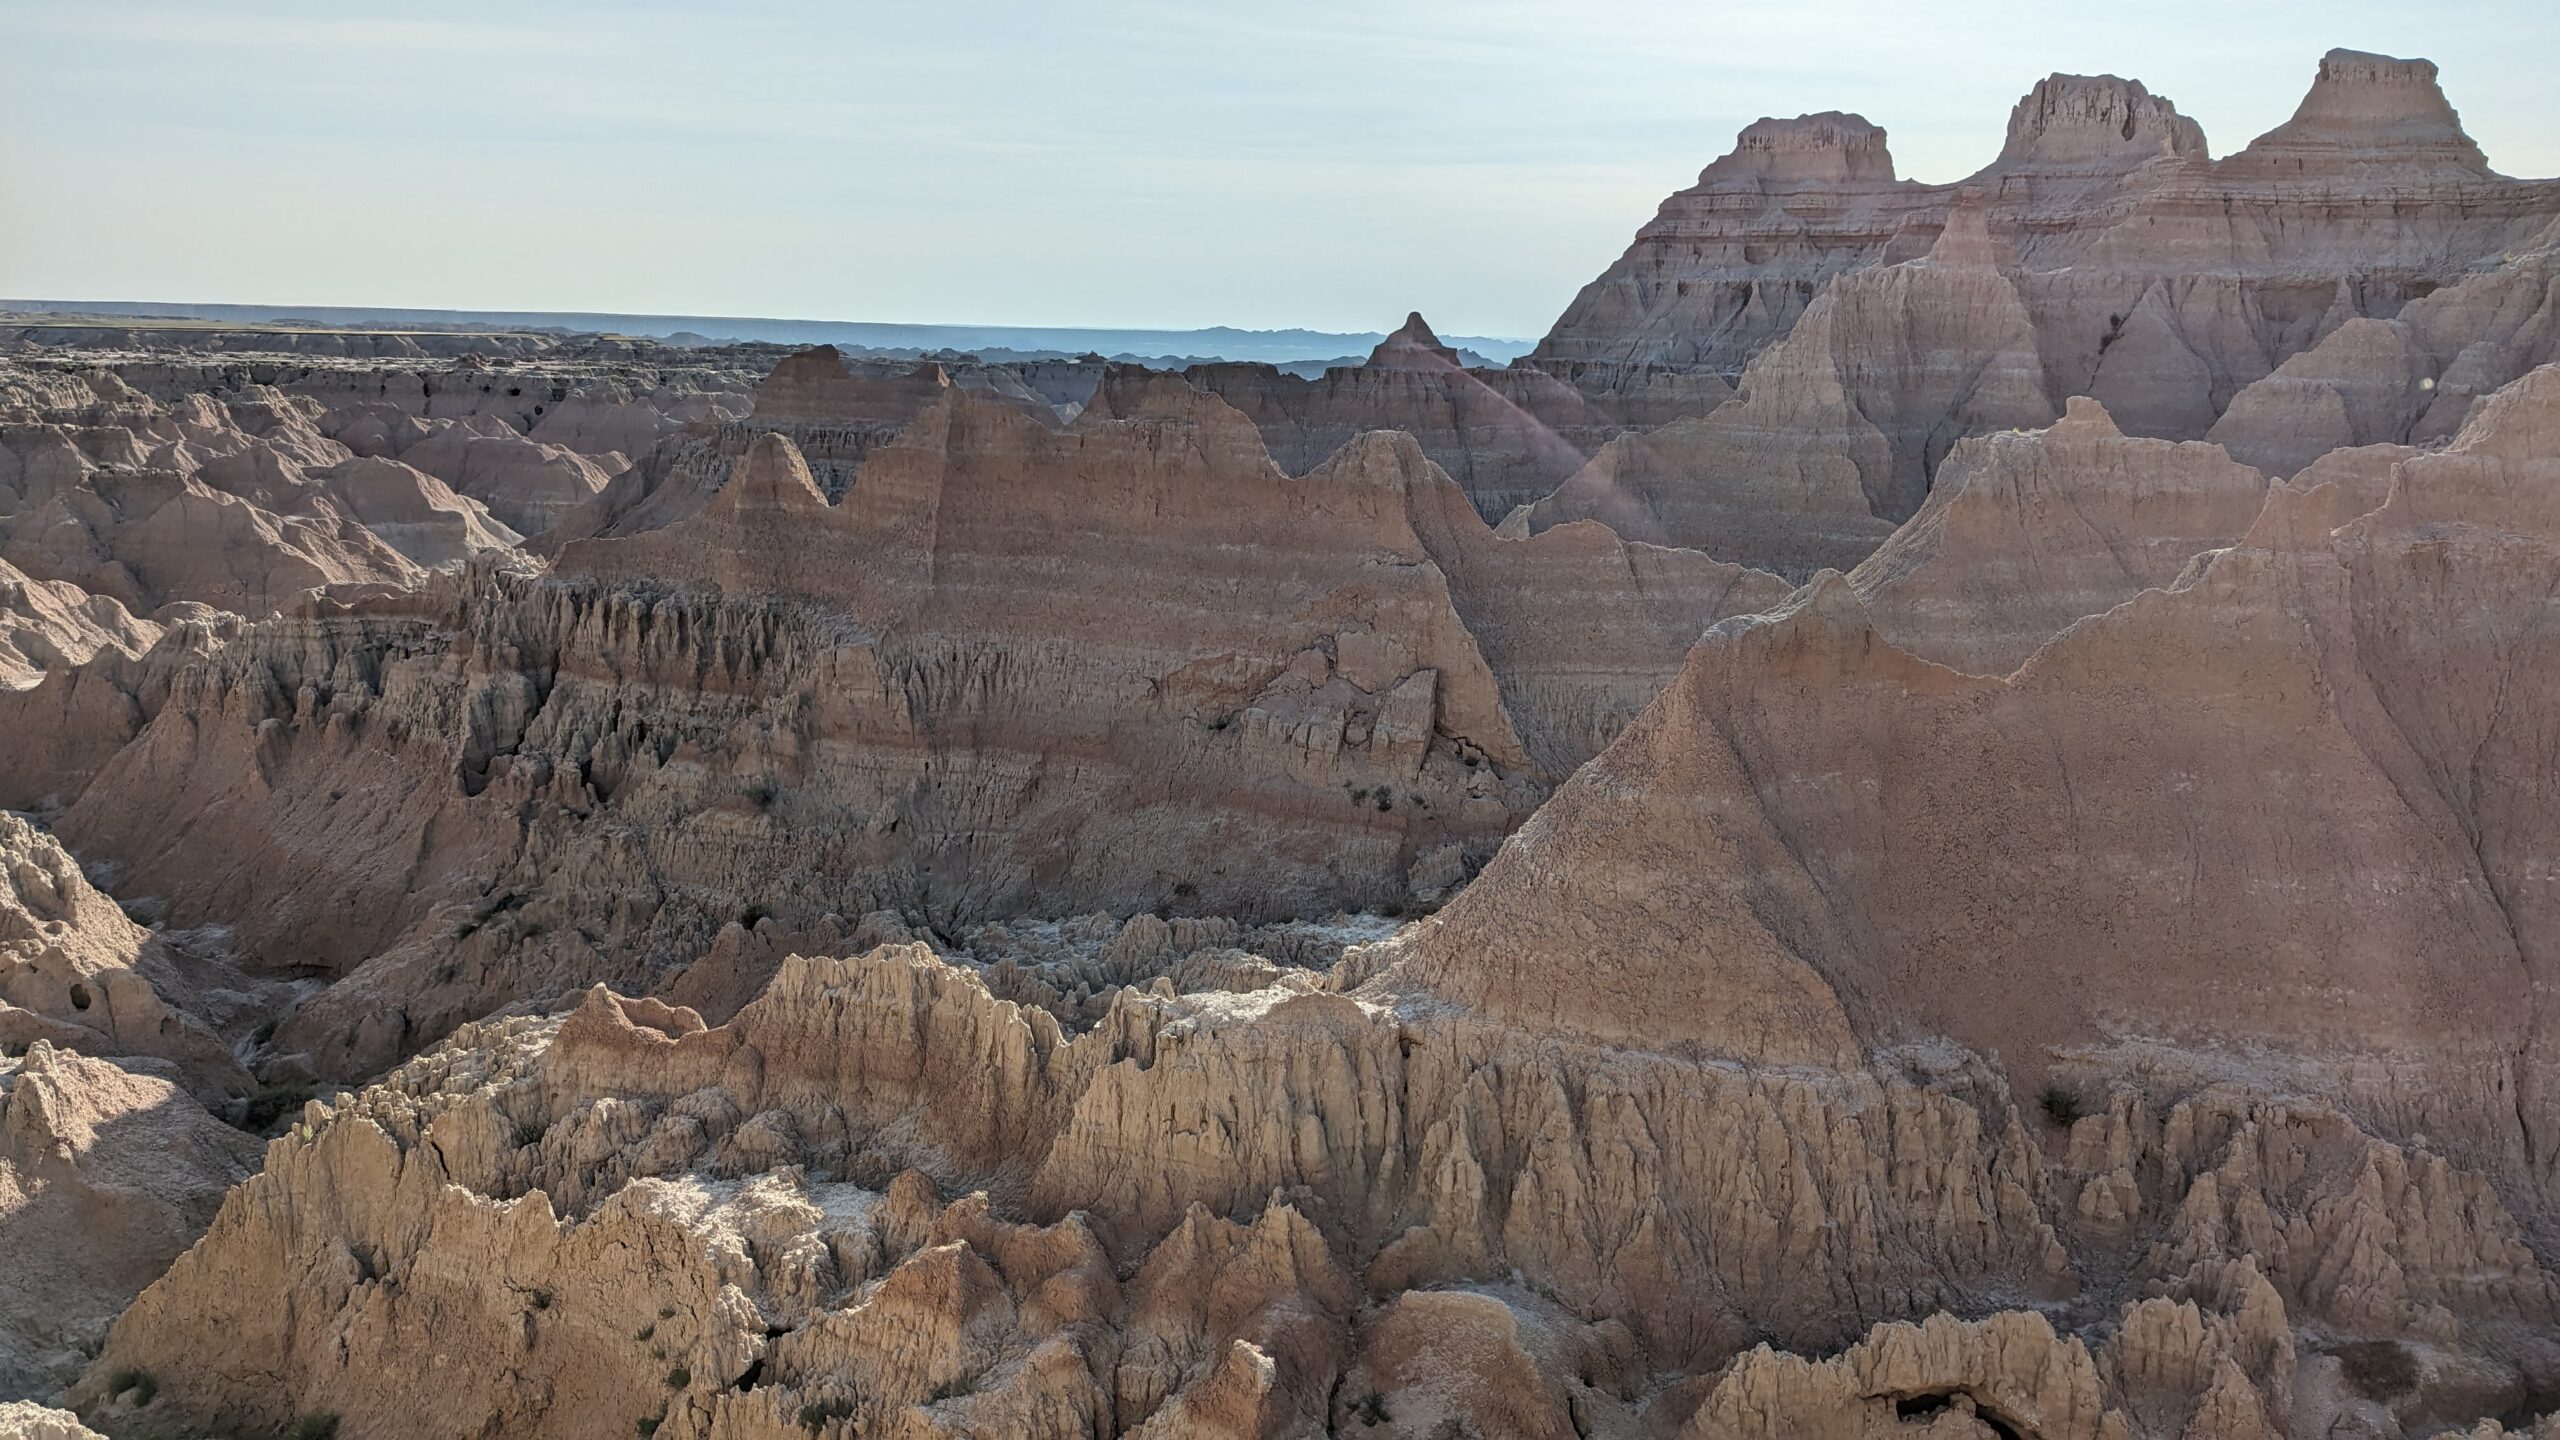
point(270, 1103)
point(135, 1383)
point(678, 1378)
point(1386, 799)
point(761, 792)
point(960, 1388)
point(2380, 1370)
point(815, 1415)
point(649, 1426)
point(314, 1427)
point(1370, 1409)
point(2060, 1105)
point(646, 1331)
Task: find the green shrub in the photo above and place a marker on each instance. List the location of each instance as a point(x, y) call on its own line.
point(271, 1103)
point(1370, 1409)
point(678, 1378)
point(815, 1415)
point(314, 1427)
point(960, 1388)
point(649, 1427)
point(2382, 1370)
point(2060, 1105)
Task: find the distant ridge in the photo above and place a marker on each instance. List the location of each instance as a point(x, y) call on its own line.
point(1217, 342)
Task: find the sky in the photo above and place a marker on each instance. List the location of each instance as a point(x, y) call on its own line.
point(1128, 163)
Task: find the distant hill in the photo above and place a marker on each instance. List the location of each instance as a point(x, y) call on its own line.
point(1217, 342)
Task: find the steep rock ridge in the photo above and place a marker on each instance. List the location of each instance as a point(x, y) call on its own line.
point(106, 1175)
point(814, 387)
point(2073, 133)
point(1506, 436)
point(51, 624)
point(2366, 112)
point(417, 514)
point(2154, 278)
point(75, 971)
point(2025, 533)
point(2413, 379)
point(1352, 1212)
point(1760, 866)
point(999, 676)
point(526, 484)
point(143, 504)
point(1726, 266)
point(1581, 629)
point(547, 426)
point(1839, 425)
point(832, 416)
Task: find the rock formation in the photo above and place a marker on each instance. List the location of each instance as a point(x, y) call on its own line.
point(203, 502)
point(1992, 880)
point(1506, 436)
point(1128, 664)
point(2254, 297)
point(106, 1175)
point(50, 624)
point(2025, 533)
point(1802, 786)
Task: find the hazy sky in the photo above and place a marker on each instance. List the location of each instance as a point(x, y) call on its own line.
point(1329, 163)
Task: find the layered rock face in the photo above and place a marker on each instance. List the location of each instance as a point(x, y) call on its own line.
point(110, 1163)
point(833, 416)
point(106, 1175)
point(51, 624)
point(1801, 788)
point(1839, 426)
point(1126, 664)
point(227, 505)
point(2025, 533)
point(1285, 1209)
point(1506, 436)
point(2258, 297)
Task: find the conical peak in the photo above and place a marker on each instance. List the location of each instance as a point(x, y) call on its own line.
point(772, 475)
point(1413, 347)
point(1967, 240)
point(2367, 110)
point(1828, 147)
point(2086, 121)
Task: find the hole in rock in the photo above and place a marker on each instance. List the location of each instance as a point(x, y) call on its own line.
point(79, 997)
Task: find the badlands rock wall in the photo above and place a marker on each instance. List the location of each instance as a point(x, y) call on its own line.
point(2314, 845)
point(1127, 664)
point(1293, 1211)
point(2260, 298)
